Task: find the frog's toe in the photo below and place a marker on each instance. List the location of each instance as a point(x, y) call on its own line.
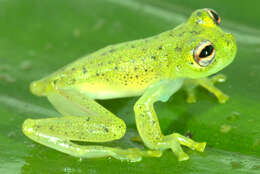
point(191, 99)
point(183, 156)
point(191, 95)
point(219, 78)
point(200, 146)
point(155, 153)
point(134, 158)
point(223, 98)
point(129, 158)
point(136, 139)
point(131, 155)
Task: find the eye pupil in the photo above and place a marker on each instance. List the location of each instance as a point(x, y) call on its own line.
point(206, 51)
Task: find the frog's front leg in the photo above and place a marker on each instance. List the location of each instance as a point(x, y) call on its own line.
point(208, 83)
point(148, 124)
point(83, 120)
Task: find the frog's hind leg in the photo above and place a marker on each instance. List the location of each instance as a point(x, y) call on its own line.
point(83, 120)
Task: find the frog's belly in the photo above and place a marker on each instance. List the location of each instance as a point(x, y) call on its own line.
point(106, 91)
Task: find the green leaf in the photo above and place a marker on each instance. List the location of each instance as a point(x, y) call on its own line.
point(38, 37)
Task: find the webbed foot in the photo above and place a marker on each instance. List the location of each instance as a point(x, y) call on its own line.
point(175, 140)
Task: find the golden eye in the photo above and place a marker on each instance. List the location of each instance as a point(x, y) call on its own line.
point(204, 53)
point(214, 16)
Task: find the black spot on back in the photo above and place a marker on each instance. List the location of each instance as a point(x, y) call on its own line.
point(112, 50)
point(84, 70)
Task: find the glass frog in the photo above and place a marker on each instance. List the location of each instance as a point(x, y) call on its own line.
point(153, 68)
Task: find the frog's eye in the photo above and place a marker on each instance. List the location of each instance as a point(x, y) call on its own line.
point(214, 16)
point(204, 53)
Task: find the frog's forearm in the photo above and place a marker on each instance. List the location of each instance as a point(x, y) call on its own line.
point(207, 83)
point(146, 118)
point(148, 124)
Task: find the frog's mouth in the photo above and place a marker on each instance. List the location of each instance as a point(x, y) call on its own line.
point(230, 50)
point(233, 46)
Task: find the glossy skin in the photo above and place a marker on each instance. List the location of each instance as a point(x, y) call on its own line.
point(153, 68)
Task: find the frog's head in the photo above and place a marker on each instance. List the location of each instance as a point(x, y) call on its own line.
point(206, 47)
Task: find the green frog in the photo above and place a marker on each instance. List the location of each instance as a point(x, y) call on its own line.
point(153, 68)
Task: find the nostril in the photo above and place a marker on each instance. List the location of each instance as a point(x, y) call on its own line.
point(230, 39)
point(230, 36)
point(228, 43)
point(231, 44)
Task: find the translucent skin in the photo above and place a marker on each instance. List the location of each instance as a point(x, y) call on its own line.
point(154, 68)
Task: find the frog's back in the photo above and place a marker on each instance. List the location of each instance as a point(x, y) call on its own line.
point(121, 70)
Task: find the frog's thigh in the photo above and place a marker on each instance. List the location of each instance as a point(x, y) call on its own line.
point(207, 83)
point(189, 86)
point(84, 119)
point(71, 102)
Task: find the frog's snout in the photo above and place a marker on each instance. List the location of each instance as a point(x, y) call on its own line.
point(231, 44)
point(230, 39)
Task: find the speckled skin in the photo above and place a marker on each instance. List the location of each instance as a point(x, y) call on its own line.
point(154, 67)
